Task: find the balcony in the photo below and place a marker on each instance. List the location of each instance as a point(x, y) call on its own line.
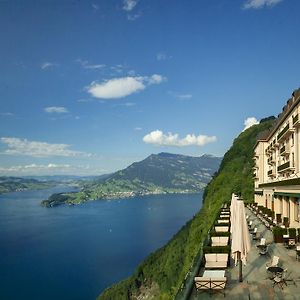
point(268, 150)
point(255, 177)
point(271, 161)
point(273, 145)
point(271, 173)
point(285, 132)
point(285, 150)
point(296, 121)
point(285, 167)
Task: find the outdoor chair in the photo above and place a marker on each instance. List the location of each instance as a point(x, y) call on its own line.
point(281, 279)
point(202, 284)
point(254, 231)
point(291, 243)
point(263, 248)
point(218, 285)
point(273, 263)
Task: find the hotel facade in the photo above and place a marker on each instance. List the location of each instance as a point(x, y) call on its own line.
point(277, 165)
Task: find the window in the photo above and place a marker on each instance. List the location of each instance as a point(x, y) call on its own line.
point(292, 139)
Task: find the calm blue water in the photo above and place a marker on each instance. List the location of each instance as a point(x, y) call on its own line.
point(74, 252)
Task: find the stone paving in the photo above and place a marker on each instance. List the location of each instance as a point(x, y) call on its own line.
point(256, 283)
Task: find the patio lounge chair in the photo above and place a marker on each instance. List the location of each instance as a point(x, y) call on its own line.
point(216, 260)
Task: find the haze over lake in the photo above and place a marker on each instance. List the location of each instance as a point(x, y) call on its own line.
point(74, 252)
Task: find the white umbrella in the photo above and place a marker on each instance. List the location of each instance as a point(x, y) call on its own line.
point(240, 238)
point(234, 199)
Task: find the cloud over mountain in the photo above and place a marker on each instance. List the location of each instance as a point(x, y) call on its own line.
point(250, 122)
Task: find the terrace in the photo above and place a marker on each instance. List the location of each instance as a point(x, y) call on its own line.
point(256, 282)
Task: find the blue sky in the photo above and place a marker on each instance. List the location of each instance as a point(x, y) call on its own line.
point(88, 87)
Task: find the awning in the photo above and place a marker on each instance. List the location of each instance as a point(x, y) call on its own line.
point(295, 195)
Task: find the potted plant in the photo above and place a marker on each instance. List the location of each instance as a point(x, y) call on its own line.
point(292, 232)
point(278, 234)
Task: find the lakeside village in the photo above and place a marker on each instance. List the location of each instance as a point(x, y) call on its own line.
point(67, 198)
point(266, 234)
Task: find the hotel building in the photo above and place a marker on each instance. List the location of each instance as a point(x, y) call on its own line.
point(277, 164)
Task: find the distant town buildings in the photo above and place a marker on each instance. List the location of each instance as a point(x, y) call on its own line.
point(277, 165)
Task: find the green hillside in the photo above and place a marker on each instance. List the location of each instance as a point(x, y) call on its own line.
point(13, 184)
point(161, 274)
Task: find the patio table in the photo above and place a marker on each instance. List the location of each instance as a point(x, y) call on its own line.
point(275, 270)
point(214, 273)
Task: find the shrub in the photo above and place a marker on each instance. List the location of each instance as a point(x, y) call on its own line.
point(217, 249)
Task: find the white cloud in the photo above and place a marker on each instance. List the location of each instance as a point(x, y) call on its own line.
point(129, 5)
point(7, 114)
point(184, 96)
point(50, 169)
point(133, 17)
point(180, 96)
point(158, 138)
point(17, 146)
point(118, 68)
point(86, 65)
point(56, 109)
point(155, 79)
point(256, 4)
point(122, 87)
point(162, 56)
point(48, 65)
point(95, 6)
point(250, 122)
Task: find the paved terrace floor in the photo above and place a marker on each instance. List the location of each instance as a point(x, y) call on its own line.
point(256, 284)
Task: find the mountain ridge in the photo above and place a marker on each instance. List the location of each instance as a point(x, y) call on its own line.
point(156, 174)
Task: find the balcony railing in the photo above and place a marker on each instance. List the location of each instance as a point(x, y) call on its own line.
point(271, 161)
point(286, 130)
point(285, 167)
point(296, 121)
point(283, 131)
point(271, 173)
point(284, 150)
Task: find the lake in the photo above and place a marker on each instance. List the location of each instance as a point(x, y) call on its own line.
point(75, 252)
